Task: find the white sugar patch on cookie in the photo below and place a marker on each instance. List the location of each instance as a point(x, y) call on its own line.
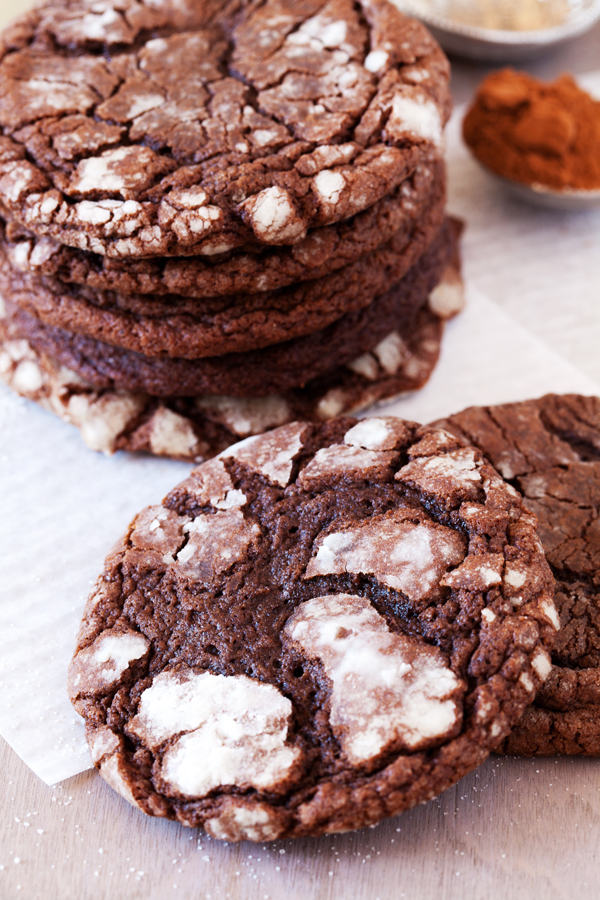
point(476, 573)
point(27, 377)
point(273, 216)
point(235, 731)
point(112, 772)
point(541, 664)
point(437, 475)
point(548, 609)
point(418, 116)
point(392, 352)
point(388, 689)
point(329, 34)
point(516, 578)
point(102, 418)
point(102, 742)
point(378, 433)
point(375, 61)
point(113, 653)
point(341, 460)
point(171, 434)
point(215, 544)
point(160, 529)
point(328, 186)
point(407, 556)
point(270, 454)
point(114, 170)
point(102, 663)
point(211, 483)
point(246, 415)
point(243, 820)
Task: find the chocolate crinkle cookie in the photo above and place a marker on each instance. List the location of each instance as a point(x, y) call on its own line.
point(550, 450)
point(396, 340)
point(219, 216)
point(138, 129)
point(319, 628)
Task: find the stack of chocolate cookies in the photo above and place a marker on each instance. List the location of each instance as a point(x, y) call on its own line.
point(218, 217)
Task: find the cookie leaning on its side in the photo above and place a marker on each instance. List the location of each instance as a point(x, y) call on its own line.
point(550, 450)
point(314, 631)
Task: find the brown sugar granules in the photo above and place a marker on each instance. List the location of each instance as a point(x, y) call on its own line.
point(533, 132)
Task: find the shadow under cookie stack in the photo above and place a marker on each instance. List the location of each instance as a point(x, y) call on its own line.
point(218, 218)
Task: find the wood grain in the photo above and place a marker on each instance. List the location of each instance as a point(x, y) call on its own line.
point(515, 828)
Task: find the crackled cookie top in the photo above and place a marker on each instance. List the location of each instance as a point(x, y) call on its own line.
point(549, 449)
point(315, 630)
point(146, 128)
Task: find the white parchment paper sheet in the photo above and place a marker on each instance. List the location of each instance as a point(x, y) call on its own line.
point(63, 506)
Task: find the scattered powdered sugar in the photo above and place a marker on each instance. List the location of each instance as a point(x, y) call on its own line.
point(387, 688)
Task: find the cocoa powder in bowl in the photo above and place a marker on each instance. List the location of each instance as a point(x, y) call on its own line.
point(536, 133)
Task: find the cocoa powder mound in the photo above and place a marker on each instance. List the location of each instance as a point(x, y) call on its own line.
point(533, 132)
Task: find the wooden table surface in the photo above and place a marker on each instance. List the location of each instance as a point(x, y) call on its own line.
point(515, 828)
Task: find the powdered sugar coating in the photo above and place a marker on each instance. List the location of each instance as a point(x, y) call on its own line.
point(271, 454)
point(377, 433)
point(445, 476)
point(219, 100)
point(401, 549)
point(343, 462)
point(103, 662)
point(215, 543)
point(387, 689)
point(233, 731)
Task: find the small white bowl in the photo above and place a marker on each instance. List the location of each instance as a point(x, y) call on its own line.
point(551, 198)
point(494, 45)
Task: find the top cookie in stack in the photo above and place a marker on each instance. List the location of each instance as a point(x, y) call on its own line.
point(194, 192)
